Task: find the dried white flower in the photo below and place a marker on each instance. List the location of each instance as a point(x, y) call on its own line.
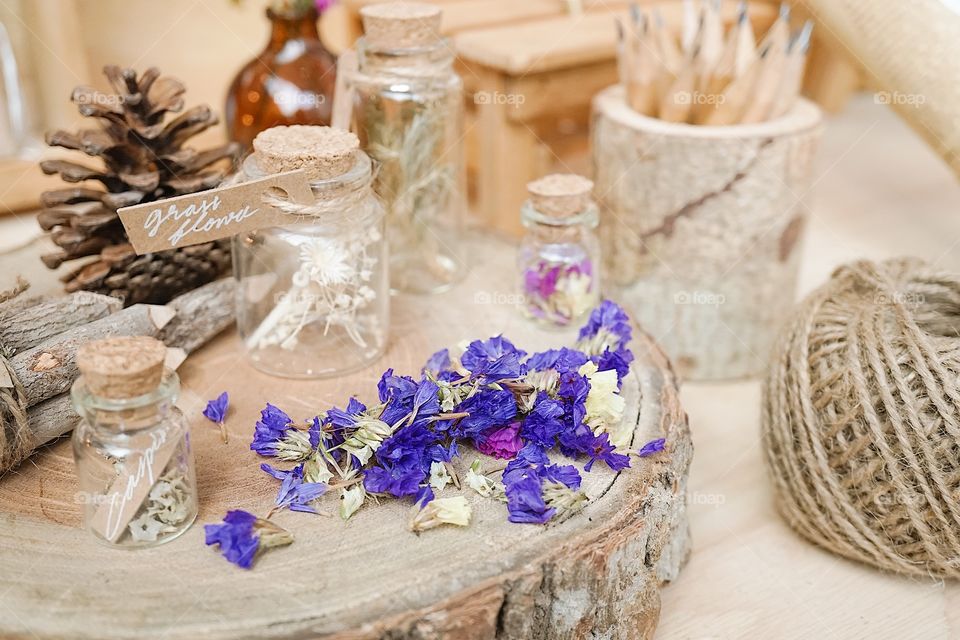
point(482, 484)
point(351, 499)
point(440, 511)
point(439, 476)
point(368, 437)
point(605, 405)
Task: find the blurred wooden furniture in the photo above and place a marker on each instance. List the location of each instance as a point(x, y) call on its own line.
point(530, 70)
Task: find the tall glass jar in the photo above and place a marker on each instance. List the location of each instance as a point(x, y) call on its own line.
point(408, 113)
point(132, 447)
point(559, 257)
point(313, 298)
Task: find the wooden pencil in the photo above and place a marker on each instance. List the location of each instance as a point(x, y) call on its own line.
point(771, 69)
point(792, 80)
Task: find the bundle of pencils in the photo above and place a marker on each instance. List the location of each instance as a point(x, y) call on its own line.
point(707, 76)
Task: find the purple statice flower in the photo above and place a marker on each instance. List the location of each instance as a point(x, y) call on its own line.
point(238, 541)
point(525, 502)
point(603, 450)
point(269, 430)
point(565, 474)
point(216, 412)
point(605, 337)
point(347, 418)
point(607, 320)
point(438, 362)
point(544, 423)
point(524, 487)
point(487, 408)
point(398, 480)
point(404, 459)
point(562, 360)
point(541, 280)
point(314, 432)
point(573, 390)
point(323, 5)
point(494, 359)
point(295, 494)
point(404, 397)
point(242, 536)
point(652, 447)
point(502, 442)
point(424, 496)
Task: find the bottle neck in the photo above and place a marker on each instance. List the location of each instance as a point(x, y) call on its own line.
point(549, 228)
point(435, 59)
point(124, 415)
point(293, 24)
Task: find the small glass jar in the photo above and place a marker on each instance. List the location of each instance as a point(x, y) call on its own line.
point(313, 298)
point(408, 113)
point(134, 463)
point(559, 257)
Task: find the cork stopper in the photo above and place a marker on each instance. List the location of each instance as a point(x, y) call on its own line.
point(322, 152)
point(560, 194)
point(401, 25)
point(122, 368)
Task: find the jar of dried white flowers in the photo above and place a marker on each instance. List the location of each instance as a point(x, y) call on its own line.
point(132, 446)
point(313, 296)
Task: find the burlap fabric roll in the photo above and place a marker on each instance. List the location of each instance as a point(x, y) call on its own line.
point(861, 419)
point(911, 53)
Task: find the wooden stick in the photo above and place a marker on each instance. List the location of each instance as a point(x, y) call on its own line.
point(28, 327)
point(49, 368)
point(200, 315)
point(641, 89)
point(676, 104)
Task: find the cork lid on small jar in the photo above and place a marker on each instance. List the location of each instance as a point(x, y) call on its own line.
point(122, 368)
point(322, 152)
point(560, 194)
point(401, 25)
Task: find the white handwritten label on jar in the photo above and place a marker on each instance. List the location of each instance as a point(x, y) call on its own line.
point(210, 215)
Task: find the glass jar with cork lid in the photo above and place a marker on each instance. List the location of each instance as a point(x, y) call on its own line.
point(132, 447)
point(559, 257)
point(407, 109)
point(313, 296)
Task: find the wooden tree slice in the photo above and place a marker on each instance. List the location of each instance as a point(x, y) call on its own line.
point(595, 574)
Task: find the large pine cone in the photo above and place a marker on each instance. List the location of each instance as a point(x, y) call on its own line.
point(143, 160)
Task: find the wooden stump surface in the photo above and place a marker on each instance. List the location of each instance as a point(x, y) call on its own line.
point(594, 575)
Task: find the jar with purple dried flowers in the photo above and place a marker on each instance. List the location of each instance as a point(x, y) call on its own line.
point(559, 255)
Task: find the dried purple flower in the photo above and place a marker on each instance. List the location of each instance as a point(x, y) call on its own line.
point(503, 442)
point(216, 411)
point(494, 359)
point(652, 447)
point(295, 494)
point(243, 536)
point(269, 430)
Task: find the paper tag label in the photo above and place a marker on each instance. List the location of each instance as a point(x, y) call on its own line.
point(210, 215)
point(129, 490)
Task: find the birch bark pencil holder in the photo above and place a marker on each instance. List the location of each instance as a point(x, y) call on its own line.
point(700, 228)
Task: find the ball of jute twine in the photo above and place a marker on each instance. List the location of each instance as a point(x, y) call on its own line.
point(861, 419)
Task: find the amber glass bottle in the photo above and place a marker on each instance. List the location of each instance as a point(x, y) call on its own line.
point(290, 82)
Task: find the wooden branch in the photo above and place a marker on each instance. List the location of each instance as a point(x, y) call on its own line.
point(200, 315)
point(49, 368)
point(28, 327)
point(185, 324)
